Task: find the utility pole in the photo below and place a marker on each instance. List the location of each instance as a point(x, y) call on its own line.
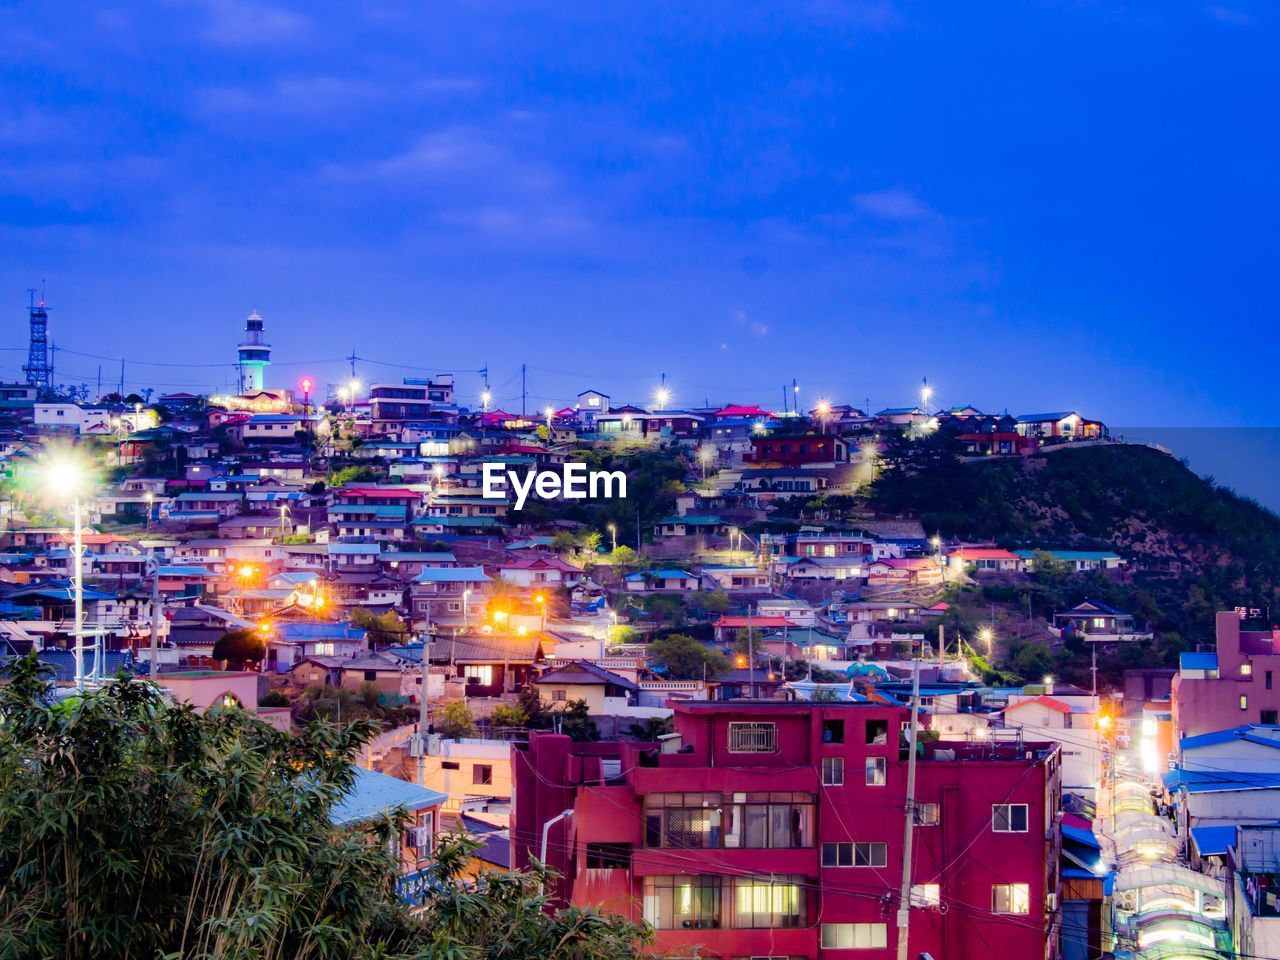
point(1093, 669)
point(904, 896)
point(524, 390)
point(424, 697)
point(942, 649)
point(155, 617)
point(751, 656)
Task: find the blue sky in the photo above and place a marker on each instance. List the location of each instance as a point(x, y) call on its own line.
point(1037, 205)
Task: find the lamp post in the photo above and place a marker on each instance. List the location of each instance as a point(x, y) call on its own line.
point(613, 533)
point(823, 410)
point(549, 413)
point(466, 595)
point(65, 478)
point(661, 397)
point(541, 601)
point(926, 392)
point(705, 455)
point(151, 499)
point(485, 397)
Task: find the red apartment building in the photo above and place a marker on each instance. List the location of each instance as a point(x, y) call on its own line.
point(1238, 683)
point(774, 829)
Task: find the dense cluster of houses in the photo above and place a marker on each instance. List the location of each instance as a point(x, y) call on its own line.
point(352, 537)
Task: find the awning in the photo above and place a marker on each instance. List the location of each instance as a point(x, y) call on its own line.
point(1213, 841)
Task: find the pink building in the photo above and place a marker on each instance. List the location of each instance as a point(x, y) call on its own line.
point(774, 829)
point(1234, 685)
point(205, 689)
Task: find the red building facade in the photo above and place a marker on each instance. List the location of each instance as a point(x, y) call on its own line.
point(774, 829)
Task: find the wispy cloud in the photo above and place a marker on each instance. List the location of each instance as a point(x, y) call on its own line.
point(323, 93)
point(1223, 14)
point(894, 204)
point(245, 23)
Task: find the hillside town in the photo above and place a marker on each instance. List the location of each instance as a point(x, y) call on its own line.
point(727, 698)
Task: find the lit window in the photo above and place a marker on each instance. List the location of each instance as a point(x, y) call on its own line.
point(926, 895)
point(1246, 669)
point(1244, 702)
point(928, 814)
point(876, 771)
point(854, 936)
point(1010, 898)
point(1009, 817)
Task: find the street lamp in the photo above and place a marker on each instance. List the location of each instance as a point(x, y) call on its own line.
point(926, 392)
point(613, 533)
point(541, 601)
point(549, 412)
point(66, 478)
point(823, 409)
point(987, 637)
point(661, 397)
point(705, 456)
point(485, 397)
point(466, 595)
point(151, 499)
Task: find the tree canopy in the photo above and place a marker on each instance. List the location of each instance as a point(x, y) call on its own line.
point(684, 657)
point(133, 827)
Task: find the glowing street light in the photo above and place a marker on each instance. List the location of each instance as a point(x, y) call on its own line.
point(67, 478)
point(988, 637)
point(823, 410)
point(613, 532)
point(466, 595)
point(926, 392)
point(705, 456)
point(541, 601)
point(661, 397)
point(485, 397)
point(549, 412)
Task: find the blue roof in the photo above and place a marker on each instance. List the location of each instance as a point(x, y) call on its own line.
point(1203, 781)
point(661, 575)
point(456, 521)
point(1070, 554)
point(1245, 733)
point(375, 794)
point(452, 575)
point(1213, 841)
point(354, 548)
point(1041, 417)
point(387, 511)
point(184, 572)
point(1077, 835)
point(1198, 661)
point(437, 556)
point(291, 632)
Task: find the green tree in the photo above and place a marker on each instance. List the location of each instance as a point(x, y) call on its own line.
point(529, 701)
point(384, 630)
point(575, 721)
point(220, 828)
point(508, 715)
point(455, 721)
point(238, 647)
point(624, 556)
point(686, 658)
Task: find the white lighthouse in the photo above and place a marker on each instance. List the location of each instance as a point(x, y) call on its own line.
point(254, 356)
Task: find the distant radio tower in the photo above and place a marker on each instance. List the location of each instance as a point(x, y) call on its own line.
point(38, 369)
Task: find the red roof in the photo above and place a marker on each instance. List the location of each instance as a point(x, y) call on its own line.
point(386, 493)
point(496, 416)
point(1049, 702)
point(740, 411)
point(538, 563)
point(983, 553)
point(908, 563)
point(752, 622)
point(92, 538)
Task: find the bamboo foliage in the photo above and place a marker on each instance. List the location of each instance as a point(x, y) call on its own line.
point(132, 827)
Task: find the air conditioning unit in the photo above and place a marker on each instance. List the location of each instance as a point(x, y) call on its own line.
point(420, 837)
point(1051, 902)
